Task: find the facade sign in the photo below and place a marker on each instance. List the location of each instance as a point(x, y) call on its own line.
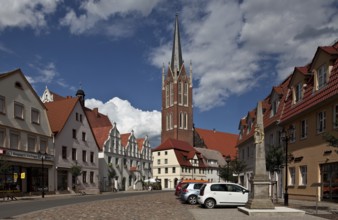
point(28, 155)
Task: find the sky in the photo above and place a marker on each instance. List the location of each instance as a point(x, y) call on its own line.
point(114, 51)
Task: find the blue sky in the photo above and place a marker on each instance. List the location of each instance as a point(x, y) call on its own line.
point(114, 50)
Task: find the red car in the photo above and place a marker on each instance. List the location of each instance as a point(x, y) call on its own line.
point(181, 183)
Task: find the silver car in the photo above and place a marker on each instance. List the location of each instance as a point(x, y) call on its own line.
point(190, 192)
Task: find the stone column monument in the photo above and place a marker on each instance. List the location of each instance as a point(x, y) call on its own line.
point(260, 182)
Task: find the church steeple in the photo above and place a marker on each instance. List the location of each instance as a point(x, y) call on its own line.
point(176, 57)
point(177, 109)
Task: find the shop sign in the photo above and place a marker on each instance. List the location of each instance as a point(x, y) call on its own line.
point(28, 155)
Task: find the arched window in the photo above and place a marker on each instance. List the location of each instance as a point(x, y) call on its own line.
point(185, 94)
point(185, 123)
point(171, 94)
point(181, 120)
point(167, 96)
point(180, 97)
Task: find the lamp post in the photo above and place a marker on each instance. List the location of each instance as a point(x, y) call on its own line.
point(43, 157)
point(228, 159)
point(285, 135)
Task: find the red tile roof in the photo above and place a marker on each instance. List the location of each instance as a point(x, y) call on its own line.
point(223, 142)
point(183, 151)
point(59, 111)
point(140, 142)
point(312, 98)
point(124, 139)
point(100, 125)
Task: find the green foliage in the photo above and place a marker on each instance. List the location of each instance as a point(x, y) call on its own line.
point(330, 139)
point(275, 158)
point(4, 165)
point(235, 166)
point(76, 170)
point(111, 171)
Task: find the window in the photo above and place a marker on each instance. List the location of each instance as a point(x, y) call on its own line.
point(91, 177)
point(64, 152)
point(321, 122)
point(167, 96)
point(274, 107)
point(80, 117)
point(165, 161)
point(165, 152)
point(181, 120)
point(74, 133)
point(180, 93)
point(292, 176)
point(185, 94)
point(159, 170)
point(303, 175)
point(14, 140)
point(43, 145)
point(218, 187)
point(293, 134)
point(31, 143)
point(92, 157)
point(158, 161)
point(18, 110)
point(73, 153)
point(335, 116)
point(2, 105)
point(84, 176)
point(84, 136)
point(158, 153)
point(174, 169)
point(2, 137)
point(116, 161)
point(298, 92)
point(166, 170)
point(84, 156)
point(321, 76)
point(35, 115)
point(303, 127)
point(171, 94)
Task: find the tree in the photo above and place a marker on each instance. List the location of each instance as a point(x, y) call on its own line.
point(75, 170)
point(235, 166)
point(330, 139)
point(4, 164)
point(275, 158)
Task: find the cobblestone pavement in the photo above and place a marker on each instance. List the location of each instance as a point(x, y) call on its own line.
point(150, 206)
point(167, 206)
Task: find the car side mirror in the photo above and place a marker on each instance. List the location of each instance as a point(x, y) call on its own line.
point(245, 191)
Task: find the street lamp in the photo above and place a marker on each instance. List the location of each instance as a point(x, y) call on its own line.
point(43, 157)
point(228, 159)
point(286, 135)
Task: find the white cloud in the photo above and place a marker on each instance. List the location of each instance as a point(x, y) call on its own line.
point(234, 47)
point(25, 13)
point(97, 12)
point(129, 118)
point(45, 73)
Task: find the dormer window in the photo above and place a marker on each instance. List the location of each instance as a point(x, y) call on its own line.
point(274, 107)
point(249, 126)
point(321, 77)
point(297, 93)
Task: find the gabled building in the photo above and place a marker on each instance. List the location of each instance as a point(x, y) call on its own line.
point(126, 156)
point(175, 160)
point(311, 111)
point(273, 106)
point(25, 137)
point(75, 144)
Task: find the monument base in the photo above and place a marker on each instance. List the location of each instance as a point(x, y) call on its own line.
point(278, 211)
point(259, 204)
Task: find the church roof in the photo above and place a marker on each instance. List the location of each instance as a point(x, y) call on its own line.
point(223, 142)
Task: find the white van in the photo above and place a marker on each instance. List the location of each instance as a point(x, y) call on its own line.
point(222, 194)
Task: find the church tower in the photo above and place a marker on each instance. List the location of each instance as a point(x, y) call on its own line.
point(177, 111)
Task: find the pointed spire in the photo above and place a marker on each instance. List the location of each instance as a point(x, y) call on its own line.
point(176, 58)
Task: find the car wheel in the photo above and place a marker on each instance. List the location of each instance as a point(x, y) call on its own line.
point(192, 199)
point(209, 203)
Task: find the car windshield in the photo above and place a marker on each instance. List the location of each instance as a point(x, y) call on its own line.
point(184, 186)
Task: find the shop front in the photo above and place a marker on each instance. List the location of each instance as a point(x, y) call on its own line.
point(25, 173)
point(330, 181)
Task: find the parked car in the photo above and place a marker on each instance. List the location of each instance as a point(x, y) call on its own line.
point(222, 194)
point(190, 192)
point(180, 184)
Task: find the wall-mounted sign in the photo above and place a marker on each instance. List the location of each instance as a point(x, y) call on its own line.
point(29, 155)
